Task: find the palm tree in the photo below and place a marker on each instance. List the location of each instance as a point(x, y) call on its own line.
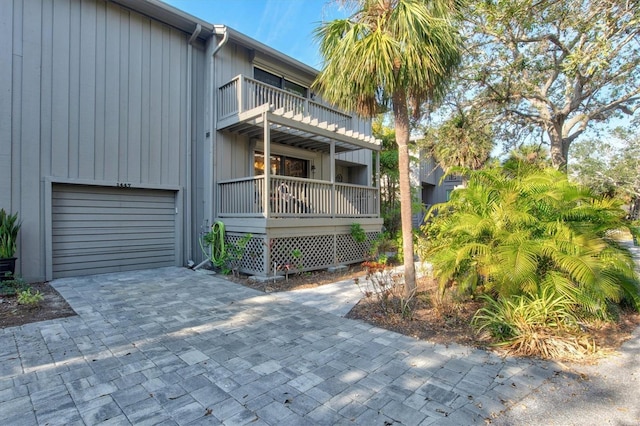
point(391, 53)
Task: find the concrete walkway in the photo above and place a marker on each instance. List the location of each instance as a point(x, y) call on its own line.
point(337, 298)
point(172, 346)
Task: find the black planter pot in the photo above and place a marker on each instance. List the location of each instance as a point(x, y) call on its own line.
point(7, 265)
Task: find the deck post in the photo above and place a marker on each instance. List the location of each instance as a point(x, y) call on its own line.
point(377, 183)
point(240, 83)
point(332, 173)
point(267, 166)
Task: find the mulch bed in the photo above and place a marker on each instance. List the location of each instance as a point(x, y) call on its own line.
point(53, 306)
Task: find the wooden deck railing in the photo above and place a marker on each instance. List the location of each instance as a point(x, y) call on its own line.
point(295, 197)
point(243, 94)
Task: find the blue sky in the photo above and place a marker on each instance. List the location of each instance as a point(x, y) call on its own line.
point(285, 25)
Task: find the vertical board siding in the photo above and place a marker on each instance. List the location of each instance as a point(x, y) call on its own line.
point(89, 90)
point(31, 123)
point(100, 93)
point(133, 136)
point(144, 95)
point(46, 106)
point(60, 92)
point(110, 85)
point(73, 114)
point(112, 95)
point(155, 104)
point(6, 64)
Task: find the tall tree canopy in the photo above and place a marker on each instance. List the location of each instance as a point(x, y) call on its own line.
point(464, 140)
point(393, 54)
point(610, 166)
point(553, 67)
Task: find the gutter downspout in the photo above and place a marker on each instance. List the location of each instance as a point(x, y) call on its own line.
point(210, 132)
point(189, 159)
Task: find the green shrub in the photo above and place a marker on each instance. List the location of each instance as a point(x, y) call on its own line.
point(540, 325)
point(516, 230)
point(12, 286)
point(9, 227)
point(358, 233)
point(27, 298)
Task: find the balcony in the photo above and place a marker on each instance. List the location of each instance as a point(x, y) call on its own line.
point(292, 119)
point(290, 197)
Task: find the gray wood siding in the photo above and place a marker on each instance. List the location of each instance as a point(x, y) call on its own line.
point(97, 230)
point(119, 90)
point(91, 91)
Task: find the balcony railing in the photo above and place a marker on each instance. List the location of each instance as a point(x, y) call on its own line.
point(295, 197)
point(243, 94)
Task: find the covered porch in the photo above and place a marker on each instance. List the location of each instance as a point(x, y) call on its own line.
point(297, 212)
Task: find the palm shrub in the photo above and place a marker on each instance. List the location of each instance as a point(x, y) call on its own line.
point(541, 324)
point(520, 230)
point(9, 227)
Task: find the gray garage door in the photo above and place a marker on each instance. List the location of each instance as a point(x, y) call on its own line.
point(108, 229)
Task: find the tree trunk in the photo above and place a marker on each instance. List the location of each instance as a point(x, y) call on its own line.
point(401, 121)
point(559, 151)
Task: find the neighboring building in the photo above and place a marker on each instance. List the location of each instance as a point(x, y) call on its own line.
point(431, 188)
point(127, 127)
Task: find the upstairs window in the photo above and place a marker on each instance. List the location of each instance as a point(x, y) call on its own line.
point(279, 82)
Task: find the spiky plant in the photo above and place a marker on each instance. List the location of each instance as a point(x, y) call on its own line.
point(519, 229)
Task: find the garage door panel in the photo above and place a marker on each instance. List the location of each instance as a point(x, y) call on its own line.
point(107, 229)
point(105, 206)
point(109, 222)
point(103, 235)
point(114, 259)
point(80, 247)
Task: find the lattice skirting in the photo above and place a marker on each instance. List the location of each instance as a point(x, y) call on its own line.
point(304, 253)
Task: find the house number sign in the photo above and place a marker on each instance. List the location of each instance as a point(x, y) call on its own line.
point(123, 185)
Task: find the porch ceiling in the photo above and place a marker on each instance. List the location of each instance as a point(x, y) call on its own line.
point(297, 131)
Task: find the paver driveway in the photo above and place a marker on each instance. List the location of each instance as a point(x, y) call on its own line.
point(174, 346)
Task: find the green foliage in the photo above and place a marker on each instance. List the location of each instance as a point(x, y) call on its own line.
point(229, 260)
point(389, 177)
point(27, 298)
point(9, 227)
point(463, 140)
point(610, 166)
point(382, 49)
point(296, 261)
point(551, 69)
point(534, 155)
point(12, 286)
point(382, 244)
point(358, 234)
point(540, 324)
point(517, 230)
point(512, 317)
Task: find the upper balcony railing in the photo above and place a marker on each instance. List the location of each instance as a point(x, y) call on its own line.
point(243, 94)
point(295, 197)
